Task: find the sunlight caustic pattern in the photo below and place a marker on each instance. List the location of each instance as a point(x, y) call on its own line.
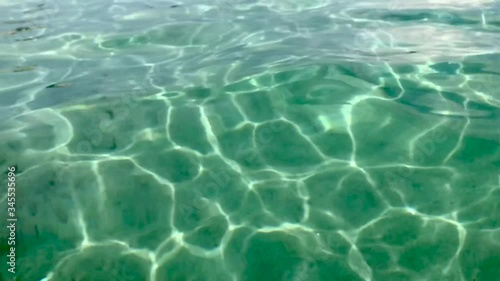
point(172, 152)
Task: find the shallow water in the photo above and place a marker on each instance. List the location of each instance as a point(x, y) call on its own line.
point(251, 140)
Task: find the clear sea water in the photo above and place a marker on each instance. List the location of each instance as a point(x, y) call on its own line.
point(251, 140)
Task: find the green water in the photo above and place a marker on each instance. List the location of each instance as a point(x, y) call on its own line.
point(251, 140)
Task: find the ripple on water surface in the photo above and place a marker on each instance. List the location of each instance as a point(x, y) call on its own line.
point(252, 140)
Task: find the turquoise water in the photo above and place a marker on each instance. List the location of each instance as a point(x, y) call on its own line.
point(251, 140)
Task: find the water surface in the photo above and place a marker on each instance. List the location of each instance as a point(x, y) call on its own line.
point(252, 140)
